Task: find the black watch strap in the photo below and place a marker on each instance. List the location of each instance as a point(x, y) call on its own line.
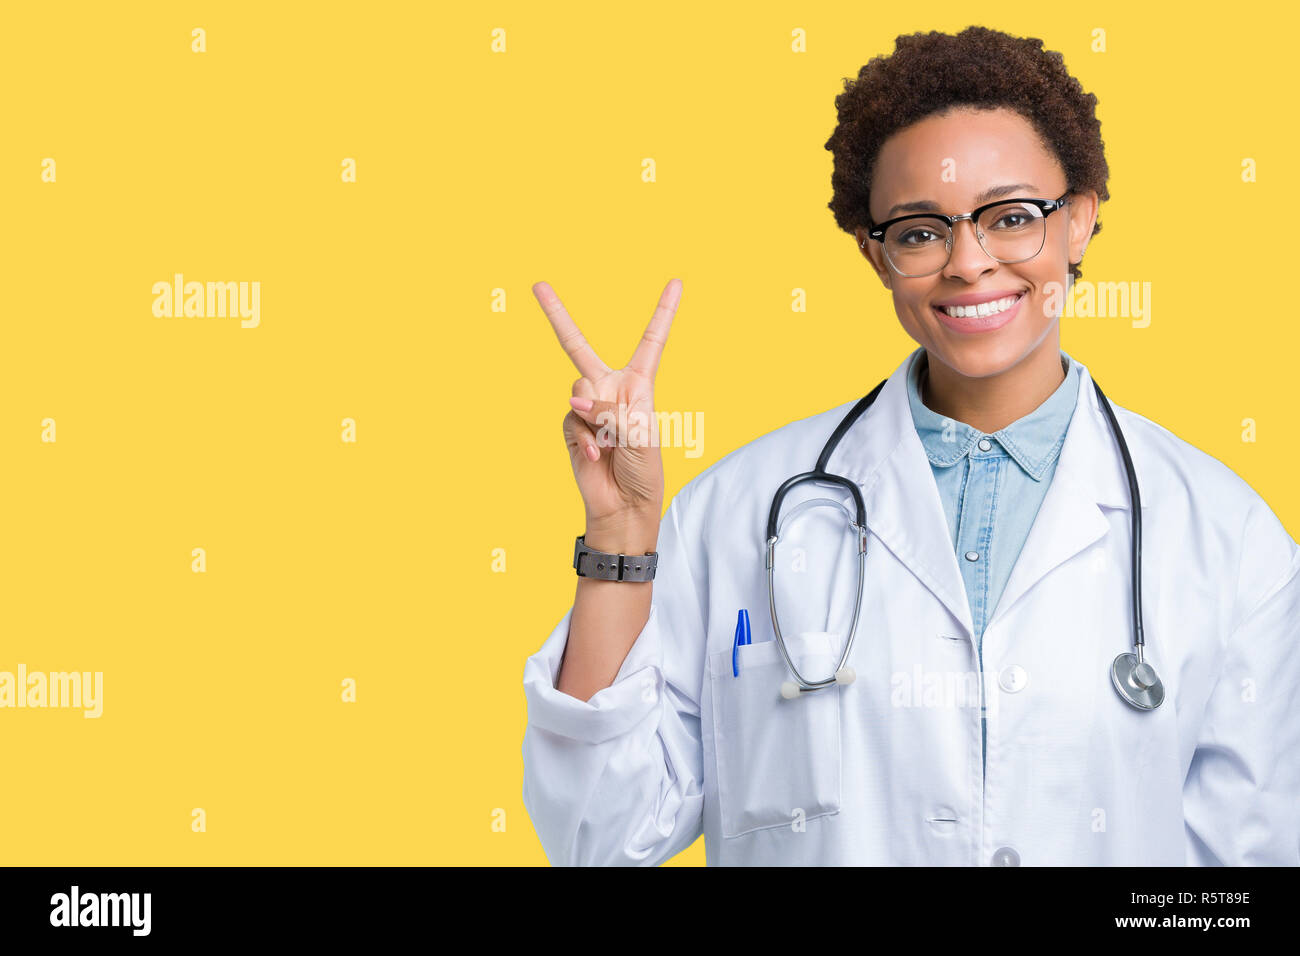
point(590, 563)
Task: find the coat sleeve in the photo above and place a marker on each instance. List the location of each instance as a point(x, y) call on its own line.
point(1241, 797)
point(618, 779)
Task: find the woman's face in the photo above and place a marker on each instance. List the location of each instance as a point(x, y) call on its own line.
point(958, 161)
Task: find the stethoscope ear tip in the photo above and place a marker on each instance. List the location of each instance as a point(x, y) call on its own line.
point(791, 689)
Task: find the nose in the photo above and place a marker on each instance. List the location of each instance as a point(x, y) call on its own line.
point(968, 261)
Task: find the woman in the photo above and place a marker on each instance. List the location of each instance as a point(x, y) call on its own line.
point(1003, 702)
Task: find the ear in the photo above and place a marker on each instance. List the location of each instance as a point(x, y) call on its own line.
point(1083, 216)
point(874, 253)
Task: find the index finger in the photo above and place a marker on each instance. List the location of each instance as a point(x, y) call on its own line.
point(651, 347)
point(566, 330)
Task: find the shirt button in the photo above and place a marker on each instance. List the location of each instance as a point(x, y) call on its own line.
point(1013, 679)
point(972, 555)
point(1005, 856)
point(985, 444)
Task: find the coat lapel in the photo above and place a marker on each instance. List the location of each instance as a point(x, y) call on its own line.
point(1089, 476)
point(884, 455)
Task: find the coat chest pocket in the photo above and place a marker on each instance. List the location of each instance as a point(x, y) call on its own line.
point(778, 760)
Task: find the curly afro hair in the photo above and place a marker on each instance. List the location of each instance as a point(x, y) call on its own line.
point(930, 73)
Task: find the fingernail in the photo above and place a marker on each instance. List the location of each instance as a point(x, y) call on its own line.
point(592, 453)
point(581, 404)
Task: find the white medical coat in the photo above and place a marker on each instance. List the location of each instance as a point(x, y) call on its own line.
point(888, 769)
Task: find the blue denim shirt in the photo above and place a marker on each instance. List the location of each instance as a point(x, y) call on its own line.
point(992, 485)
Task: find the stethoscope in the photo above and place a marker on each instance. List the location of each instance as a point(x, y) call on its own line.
point(1134, 678)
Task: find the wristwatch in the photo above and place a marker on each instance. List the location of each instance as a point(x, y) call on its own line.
point(590, 563)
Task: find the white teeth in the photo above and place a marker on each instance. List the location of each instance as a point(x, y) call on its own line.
point(983, 310)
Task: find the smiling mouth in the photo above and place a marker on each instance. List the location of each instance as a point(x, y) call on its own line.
point(983, 310)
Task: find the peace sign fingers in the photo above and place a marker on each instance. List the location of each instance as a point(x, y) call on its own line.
point(651, 347)
point(571, 338)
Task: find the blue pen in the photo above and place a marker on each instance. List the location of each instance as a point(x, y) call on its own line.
point(742, 637)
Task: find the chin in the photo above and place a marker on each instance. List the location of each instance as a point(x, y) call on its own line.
point(981, 363)
point(984, 355)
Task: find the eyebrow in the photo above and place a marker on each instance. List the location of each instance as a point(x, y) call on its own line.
point(988, 195)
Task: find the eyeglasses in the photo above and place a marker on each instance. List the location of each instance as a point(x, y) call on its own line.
point(1009, 230)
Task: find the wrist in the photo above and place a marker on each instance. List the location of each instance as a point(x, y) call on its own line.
point(628, 533)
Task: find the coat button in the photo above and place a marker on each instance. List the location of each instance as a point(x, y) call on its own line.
point(1005, 856)
point(985, 444)
point(972, 555)
point(1013, 679)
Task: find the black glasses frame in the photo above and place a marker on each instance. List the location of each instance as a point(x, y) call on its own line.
point(1048, 206)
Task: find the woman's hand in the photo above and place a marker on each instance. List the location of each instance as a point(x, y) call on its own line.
point(611, 432)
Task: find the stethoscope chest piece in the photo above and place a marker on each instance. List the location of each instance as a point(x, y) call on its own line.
point(1137, 682)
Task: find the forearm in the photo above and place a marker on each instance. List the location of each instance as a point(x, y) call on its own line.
point(607, 615)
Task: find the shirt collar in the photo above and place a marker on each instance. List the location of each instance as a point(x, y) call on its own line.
point(1033, 441)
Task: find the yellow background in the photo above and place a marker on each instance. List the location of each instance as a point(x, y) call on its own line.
point(480, 171)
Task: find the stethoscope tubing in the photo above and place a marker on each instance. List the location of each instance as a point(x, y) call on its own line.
point(803, 683)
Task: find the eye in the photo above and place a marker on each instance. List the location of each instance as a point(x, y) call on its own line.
point(1010, 218)
point(919, 236)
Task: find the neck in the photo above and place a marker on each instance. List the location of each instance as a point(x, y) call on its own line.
point(993, 402)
